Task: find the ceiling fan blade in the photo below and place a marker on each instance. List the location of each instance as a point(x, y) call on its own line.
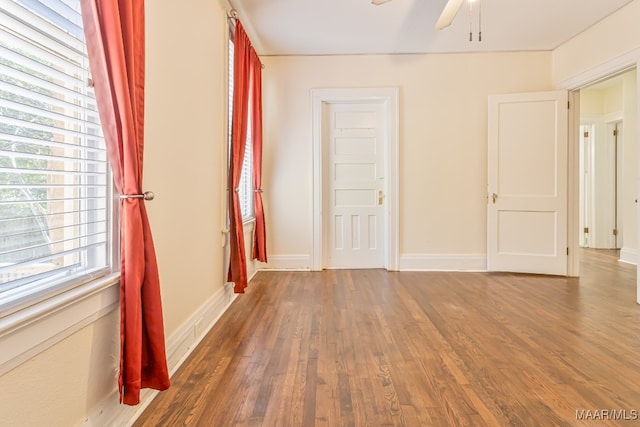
point(448, 13)
point(379, 2)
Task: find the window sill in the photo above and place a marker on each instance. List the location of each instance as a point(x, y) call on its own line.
point(27, 332)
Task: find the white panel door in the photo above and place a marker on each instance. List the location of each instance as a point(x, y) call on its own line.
point(354, 186)
point(527, 183)
point(586, 185)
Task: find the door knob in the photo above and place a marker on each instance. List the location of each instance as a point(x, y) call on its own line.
point(380, 197)
point(494, 196)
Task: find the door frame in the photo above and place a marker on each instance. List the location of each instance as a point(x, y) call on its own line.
point(388, 97)
point(573, 84)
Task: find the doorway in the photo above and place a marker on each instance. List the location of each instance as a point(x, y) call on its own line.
point(608, 166)
point(341, 167)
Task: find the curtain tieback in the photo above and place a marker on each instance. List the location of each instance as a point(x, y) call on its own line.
point(258, 190)
point(147, 195)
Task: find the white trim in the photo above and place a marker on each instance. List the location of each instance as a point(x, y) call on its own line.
point(29, 331)
point(179, 346)
point(601, 71)
point(287, 262)
point(573, 186)
point(589, 76)
point(629, 256)
point(194, 329)
point(425, 262)
point(389, 98)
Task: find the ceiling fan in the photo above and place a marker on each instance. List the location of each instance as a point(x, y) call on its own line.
point(448, 13)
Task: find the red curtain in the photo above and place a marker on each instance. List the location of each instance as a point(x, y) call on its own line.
point(260, 236)
point(114, 31)
point(241, 86)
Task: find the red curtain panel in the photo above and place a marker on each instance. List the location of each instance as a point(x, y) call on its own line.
point(260, 236)
point(115, 41)
point(241, 86)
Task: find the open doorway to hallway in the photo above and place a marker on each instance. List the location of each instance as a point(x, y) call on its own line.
point(609, 166)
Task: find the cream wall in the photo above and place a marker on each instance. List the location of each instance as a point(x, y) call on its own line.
point(608, 39)
point(60, 386)
point(185, 155)
point(71, 382)
point(443, 145)
point(613, 102)
point(591, 103)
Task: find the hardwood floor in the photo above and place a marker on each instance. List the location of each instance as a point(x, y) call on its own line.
point(374, 348)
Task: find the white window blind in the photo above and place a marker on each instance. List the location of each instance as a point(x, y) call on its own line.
point(246, 179)
point(245, 192)
point(55, 186)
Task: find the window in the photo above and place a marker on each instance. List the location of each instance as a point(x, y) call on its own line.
point(246, 180)
point(55, 185)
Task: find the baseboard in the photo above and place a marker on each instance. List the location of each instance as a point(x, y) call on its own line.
point(179, 346)
point(287, 262)
point(423, 262)
point(630, 256)
point(409, 262)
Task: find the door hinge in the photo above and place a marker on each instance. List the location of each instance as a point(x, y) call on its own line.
point(615, 232)
point(586, 134)
point(568, 105)
point(567, 251)
point(586, 230)
point(615, 132)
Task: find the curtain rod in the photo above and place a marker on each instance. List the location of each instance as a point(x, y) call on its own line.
point(233, 15)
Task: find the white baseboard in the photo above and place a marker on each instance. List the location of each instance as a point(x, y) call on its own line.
point(423, 262)
point(287, 262)
point(179, 346)
point(630, 256)
point(408, 262)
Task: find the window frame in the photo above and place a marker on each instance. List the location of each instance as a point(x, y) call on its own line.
point(32, 320)
point(246, 182)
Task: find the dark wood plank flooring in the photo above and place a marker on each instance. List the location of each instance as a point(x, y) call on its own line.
point(374, 348)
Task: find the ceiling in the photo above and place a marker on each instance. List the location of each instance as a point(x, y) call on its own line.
point(323, 27)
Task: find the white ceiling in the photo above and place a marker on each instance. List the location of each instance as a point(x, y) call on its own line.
point(319, 27)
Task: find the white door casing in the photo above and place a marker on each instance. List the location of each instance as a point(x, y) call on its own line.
point(354, 185)
point(387, 98)
point(608, 68)
point(527, 183)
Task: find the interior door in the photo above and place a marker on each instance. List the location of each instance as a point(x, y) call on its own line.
point(618, 177)
point(527, 183)
point(586, 185)
point(354, 186)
